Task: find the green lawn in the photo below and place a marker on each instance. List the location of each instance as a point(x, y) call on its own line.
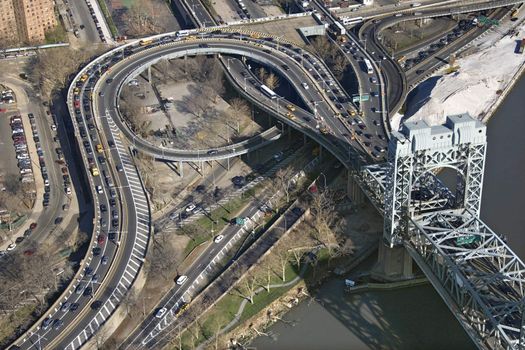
point(109, 19)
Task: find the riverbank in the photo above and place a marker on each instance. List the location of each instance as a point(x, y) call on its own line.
point(487, 70)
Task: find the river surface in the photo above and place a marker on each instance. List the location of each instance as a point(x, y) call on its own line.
point(416, 318)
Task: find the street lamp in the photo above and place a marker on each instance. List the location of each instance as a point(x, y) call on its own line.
point(228, 63)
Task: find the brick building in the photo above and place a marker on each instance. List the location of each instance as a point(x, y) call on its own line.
point(26, 20)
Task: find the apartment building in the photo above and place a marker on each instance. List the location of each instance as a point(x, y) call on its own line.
point(8, 26)
point(26, 20)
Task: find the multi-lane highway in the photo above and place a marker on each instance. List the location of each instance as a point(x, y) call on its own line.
point(122, 222)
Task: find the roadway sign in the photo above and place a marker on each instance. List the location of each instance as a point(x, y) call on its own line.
point(360, 98)
point(240, 221)
point(466, 239)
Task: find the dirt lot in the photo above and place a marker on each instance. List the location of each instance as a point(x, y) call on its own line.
point(192, 117)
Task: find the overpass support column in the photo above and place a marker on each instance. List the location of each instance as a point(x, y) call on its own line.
point(181, 169)
point(353, 190)
point(393, 264)
point(149, 74)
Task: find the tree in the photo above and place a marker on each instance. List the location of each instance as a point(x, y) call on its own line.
point(238, 109)
point(12, 184)
point(163, 256)
point(325, 221)
point(143, 18)
point(261, 74)
point(51, 68)
point(282, 180)
point(323, 47)
point(246, 288)
point(272, 81)
point(339, 65)
point(130, 301)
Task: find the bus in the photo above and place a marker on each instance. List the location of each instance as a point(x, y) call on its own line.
point(347, 21)
point(186, 32)
point(268, 92)
point(368, 65)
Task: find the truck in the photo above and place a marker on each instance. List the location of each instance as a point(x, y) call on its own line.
point(522, 46)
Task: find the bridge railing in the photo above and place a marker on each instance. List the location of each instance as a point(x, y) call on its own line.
point(476, 273)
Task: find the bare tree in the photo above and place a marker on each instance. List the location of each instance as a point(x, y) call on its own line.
point(261, 74)
point(246, 287)
point(282, 254)
point(271, 80)
point(130, 301)
point(238, 109)
point(12, 184)
point(338, 66)
point(143, 18)
point(283, 180)
point(163, 256)
point(50, 69)
point(325, 219)
point(323, 47)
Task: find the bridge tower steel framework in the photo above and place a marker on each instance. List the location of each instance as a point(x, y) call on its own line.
point(415, 154)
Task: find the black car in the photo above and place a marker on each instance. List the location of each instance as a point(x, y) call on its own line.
point(46, 323)
point(103, 208)
point(57, 324)
point(88, 271)
point(112, 236)
point(88, 291)
point(19, 239)
point(73, 307)
point(112, 202)
point(97, 304)
point(97, 251)
point(58, 220)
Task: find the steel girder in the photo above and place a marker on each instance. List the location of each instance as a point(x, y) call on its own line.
point(484, 281)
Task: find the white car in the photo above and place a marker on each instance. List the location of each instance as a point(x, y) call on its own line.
point(160, 312)
point(11, 247)
point(68, 190)
point(99, 189)
point(190, 208)
point(218, 238)
point(305, 86)
point(180, 281)
point(53, 127)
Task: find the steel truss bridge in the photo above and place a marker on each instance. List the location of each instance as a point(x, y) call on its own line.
point(480, 278)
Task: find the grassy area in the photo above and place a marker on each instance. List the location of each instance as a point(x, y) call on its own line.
point(57, 35)
point(224, 311)
point(9, 324)
point(109, 19)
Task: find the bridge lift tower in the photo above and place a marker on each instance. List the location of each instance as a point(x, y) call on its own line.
point(412, 188)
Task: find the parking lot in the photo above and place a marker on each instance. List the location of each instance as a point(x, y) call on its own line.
point(7, 150)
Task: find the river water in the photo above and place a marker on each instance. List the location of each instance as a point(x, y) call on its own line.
point(416, 318)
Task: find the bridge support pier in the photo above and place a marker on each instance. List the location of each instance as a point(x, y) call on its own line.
point(393, 264)
point(181, 169)
point(149, 74)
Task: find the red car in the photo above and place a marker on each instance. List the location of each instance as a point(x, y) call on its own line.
point(77, 104)
point(101, 239)
point(33, 226)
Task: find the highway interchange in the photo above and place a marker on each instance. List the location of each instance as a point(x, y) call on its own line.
point(121, 205)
